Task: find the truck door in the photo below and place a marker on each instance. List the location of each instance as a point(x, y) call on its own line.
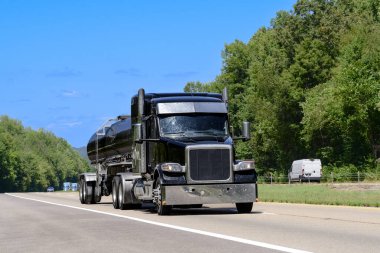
point(152, 133)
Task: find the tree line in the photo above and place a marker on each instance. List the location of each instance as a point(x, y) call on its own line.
point(33, 160)
point(309, 84)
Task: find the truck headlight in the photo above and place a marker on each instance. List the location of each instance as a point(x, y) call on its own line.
point(244, 165)
point(172, 167)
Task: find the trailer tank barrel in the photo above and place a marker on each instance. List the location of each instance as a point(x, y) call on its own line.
point(117, 140)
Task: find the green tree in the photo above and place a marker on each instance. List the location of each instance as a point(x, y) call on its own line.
point(341, 122)
point(32, 160)
point(308, 83)
point(197, 87)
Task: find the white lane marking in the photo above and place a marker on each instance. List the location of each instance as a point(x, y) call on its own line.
point(190, 230)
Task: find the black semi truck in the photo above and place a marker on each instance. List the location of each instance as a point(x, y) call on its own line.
point(175, 150)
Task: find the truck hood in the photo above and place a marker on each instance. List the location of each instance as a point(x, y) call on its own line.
point(173, 149)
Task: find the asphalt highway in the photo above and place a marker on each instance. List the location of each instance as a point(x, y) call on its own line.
point(57, 222)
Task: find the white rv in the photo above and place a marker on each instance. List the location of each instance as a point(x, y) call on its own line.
point(305, 170)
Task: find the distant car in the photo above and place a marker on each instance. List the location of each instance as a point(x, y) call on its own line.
point(66, 186)
point(74, 187)
point(50, 189)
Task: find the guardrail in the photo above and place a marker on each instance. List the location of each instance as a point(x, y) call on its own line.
point(326, 178)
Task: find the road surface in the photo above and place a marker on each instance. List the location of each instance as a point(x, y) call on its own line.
point(57, 222)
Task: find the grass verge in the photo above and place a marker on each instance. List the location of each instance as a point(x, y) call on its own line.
point(326, 194)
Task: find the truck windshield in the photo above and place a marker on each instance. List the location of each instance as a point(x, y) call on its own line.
point(194, 125)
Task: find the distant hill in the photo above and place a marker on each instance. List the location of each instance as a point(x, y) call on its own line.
point(83, 152)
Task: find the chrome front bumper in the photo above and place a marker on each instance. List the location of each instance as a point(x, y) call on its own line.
point(208, 194)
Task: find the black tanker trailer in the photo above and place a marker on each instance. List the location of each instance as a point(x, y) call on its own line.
point(175, 150)
point(111, 141)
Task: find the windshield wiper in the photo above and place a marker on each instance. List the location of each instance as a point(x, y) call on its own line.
point(193, 135)
point(180, 132)
point(205, 134)
point(180, 135)
point(212, 132)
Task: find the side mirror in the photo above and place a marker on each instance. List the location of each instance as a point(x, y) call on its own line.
point(246, 130)
point(137, 132)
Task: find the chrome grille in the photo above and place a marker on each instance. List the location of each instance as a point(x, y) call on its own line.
point(209, 164)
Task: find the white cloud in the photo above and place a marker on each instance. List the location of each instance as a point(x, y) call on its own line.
point(63, 125)
point(129, 72)
point(72, 124)
point(70, 93)
point(51, 126)
point(66, 72)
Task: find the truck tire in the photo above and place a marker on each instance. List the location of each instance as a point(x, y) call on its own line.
point(87, 192)
point(244, 207)
point(91, 188)
point(161, 209)
point(122, 204)
point(115, 192)
point(97, 193)
point(81, 191)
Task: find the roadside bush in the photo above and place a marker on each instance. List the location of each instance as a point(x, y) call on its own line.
point(369, 171)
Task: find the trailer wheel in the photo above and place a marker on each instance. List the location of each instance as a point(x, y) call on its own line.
point(97, 192)
point(244, 207)
point(91, 188)
point(86, 192)
point(81, 191)
point(115, 192)
point(161, 209)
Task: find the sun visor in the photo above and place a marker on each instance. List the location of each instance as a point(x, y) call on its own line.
point(191, 107)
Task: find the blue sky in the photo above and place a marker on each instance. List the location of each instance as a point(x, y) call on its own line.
point(66, 66)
